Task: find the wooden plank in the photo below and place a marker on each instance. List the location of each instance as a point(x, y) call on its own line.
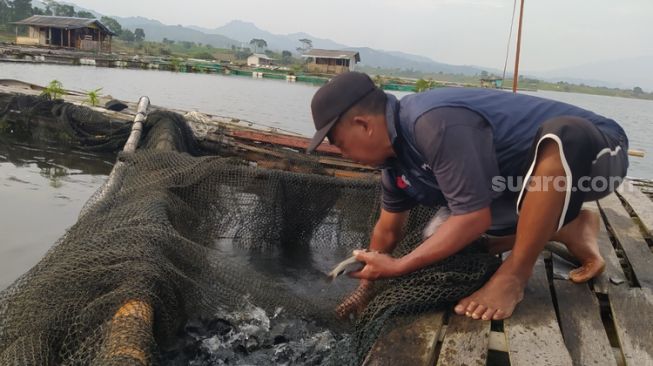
point(411, 340)
point(630, 237)
point(613, 271)
point(466, 342)
point(533, 334)
point(580, 319)
point(632, 312)
point(285, 140)
point(640, 203)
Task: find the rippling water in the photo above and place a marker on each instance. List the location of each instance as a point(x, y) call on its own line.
point(42, 191)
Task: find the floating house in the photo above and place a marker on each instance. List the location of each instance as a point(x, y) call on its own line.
point(331, 61)
point(259, 59)
point(79, 33)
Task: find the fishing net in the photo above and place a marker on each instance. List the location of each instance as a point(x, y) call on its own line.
point(175, 244)
point(40, 119)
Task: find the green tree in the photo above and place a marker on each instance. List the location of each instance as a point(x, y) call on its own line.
point(638, 90)
point(307, 45)
point(5, 14)
point(258, 43)
point(139, 34)
point(112, 24)
point(85, 14)
point(242, 53)
point(286, 57)
point(21, 9)
point(66, 11)
point(127, 35)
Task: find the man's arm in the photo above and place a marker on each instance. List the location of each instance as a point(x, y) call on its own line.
point(388, 231)
point(452, 236)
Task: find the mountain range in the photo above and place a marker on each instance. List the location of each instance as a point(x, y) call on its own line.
point(239, 33)
point(623, 73)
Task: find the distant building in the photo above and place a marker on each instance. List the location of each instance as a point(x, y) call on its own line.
point(80, 33)
point(331, 61)
point(259, 59)
point(491, 82)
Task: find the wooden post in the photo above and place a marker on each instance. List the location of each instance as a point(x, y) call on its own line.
point(61, 37)
point(69, 38)
point(515, 78)
point(49, 36)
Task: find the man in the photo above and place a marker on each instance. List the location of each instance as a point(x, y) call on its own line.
point(512, 165)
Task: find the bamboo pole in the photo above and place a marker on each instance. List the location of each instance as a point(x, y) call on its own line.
point(137, 127)
point(636, 153)
point(515, 78)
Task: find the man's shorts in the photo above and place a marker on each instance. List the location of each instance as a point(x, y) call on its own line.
point(594, 161)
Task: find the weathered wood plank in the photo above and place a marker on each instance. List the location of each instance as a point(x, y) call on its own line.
point(630, 237)
point(533, 334)
point(465, 342)
point(613, 269)
point(411, 340)
point(640, 203)
point(632, 311)
point(284, 140)
point(580, 319)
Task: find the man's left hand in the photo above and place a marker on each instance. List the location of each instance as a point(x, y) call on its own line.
point(377, 265)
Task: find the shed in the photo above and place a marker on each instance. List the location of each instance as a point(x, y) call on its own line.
point(259, 59)
point(331, 61)
point(79, 33)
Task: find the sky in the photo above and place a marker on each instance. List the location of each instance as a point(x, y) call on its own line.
point(556, 33)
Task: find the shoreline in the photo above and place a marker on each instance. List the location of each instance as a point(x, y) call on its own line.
point(11, 53)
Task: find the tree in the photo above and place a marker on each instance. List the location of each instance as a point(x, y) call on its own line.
point(127, 35)
point(85, 14)
point(307, 45)
point(139, 34)
point(243, 53)
point(5, 14)
point(286, 57)
point(21, 9)
point(112, 24)
point(638, 90)
point(258, 43)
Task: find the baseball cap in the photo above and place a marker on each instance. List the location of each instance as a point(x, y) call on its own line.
point(334, 98)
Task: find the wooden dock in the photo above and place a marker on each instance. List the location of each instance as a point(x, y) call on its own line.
point(608, 321)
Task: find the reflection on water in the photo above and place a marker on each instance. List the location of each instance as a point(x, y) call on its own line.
point(42, 191)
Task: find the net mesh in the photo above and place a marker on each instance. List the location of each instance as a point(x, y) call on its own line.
point(173, 239)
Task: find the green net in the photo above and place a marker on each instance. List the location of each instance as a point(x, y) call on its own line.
point(185, 259)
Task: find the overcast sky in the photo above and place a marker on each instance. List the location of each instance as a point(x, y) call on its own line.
point(557, 33)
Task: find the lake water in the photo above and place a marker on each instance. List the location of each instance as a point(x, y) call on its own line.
point(43, 189)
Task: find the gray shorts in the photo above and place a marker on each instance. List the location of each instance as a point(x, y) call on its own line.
point(595, 162)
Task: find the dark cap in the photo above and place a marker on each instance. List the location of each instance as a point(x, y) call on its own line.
point(334, 98)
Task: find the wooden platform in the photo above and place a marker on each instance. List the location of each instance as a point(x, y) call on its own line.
point(606, 322)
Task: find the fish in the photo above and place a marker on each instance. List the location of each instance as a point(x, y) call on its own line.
point(344, 266)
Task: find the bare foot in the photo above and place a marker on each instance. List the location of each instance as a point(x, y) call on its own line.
point(580, 237)
point(495, 300)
